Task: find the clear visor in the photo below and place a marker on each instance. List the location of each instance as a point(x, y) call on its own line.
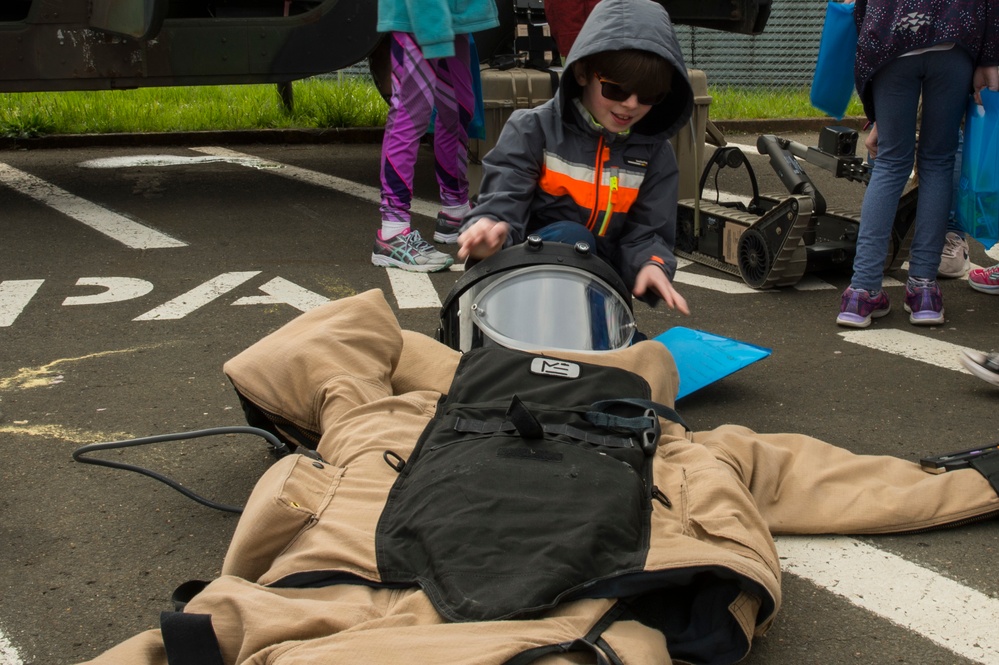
point(554, 308)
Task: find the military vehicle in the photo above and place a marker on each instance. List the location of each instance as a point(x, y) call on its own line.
point(51, 45)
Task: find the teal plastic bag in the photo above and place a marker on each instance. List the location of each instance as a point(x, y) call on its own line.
point(832, 83)
point(977, 205)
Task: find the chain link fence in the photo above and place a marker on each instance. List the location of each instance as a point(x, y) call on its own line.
point(781, 58)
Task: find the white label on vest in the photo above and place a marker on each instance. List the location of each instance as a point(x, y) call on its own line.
point(551, 367)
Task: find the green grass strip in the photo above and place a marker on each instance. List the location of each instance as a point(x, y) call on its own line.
point(319, 103)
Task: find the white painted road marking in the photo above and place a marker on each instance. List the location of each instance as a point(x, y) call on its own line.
point(366, 192)
point(910, 345)
point(8, 654)
point(197, 297)
point(15, 295)
point(117, 227)
point(117, 289)
point(413, 290)
point(168, 160)
point(729, 285)
point(954, 616)
point(281, 291)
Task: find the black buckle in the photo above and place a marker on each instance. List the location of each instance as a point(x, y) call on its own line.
point(650, 435)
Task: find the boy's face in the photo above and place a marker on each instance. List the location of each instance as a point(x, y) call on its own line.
point(616, 116)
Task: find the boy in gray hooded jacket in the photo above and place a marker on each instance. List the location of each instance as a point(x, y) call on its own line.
point(595, 163)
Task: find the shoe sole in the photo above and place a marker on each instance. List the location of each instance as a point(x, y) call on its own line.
point(385, 262)
point(954, 275)
point(914, 320)
point(991, 290)
point(972, 364)
point(861, 322)
point(446, 238)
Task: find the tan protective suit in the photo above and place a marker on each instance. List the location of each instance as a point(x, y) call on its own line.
point(347, 371)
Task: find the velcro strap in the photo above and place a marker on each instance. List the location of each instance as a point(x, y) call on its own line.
point(527, 425)
point(189, 639)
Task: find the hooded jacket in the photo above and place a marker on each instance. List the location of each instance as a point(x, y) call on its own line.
point(888, 29)
point(434, 23)
point(551, 165)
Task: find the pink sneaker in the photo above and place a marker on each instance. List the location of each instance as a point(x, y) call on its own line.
point(985, 280)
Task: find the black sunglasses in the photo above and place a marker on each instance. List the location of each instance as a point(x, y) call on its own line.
point(614, 92)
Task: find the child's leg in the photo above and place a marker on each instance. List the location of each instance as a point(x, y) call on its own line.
point(455, 107)
point(946, 79)
point(408, 118)
point(896, 98)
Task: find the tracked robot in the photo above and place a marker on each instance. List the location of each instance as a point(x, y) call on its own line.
point(773, 241)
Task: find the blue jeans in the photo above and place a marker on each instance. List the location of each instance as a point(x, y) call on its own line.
point(943, 78)
point(568, 232)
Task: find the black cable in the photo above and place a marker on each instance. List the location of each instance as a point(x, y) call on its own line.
point(277, 446)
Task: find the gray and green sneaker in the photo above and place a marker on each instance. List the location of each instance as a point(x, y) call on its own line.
point(409, 251)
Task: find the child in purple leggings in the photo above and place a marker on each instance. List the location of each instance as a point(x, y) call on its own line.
point(430, 69)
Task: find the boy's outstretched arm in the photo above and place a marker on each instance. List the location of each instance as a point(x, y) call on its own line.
point(482, 239)
point(652, 277)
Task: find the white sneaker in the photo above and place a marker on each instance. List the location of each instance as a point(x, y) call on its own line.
point(983, 365)
point(954, 261)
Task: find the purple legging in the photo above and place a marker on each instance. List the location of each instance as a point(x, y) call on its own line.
point(418, 86)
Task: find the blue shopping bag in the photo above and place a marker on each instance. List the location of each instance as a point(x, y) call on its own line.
point(977, 205)
point(832, 83)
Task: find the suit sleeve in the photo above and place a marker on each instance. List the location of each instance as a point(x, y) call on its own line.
point(802, 485)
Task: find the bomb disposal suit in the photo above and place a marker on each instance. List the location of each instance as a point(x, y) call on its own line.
point(503, 506)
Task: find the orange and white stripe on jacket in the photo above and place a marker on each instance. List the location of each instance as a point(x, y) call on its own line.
point(602, 191)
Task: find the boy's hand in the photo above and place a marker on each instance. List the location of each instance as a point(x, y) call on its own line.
point(482, 239)
point(653, 277)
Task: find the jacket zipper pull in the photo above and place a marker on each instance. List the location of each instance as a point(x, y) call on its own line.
point(661, 497)
point(611, 196)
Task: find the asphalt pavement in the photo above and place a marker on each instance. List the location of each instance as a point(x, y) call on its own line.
point(130, 272)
